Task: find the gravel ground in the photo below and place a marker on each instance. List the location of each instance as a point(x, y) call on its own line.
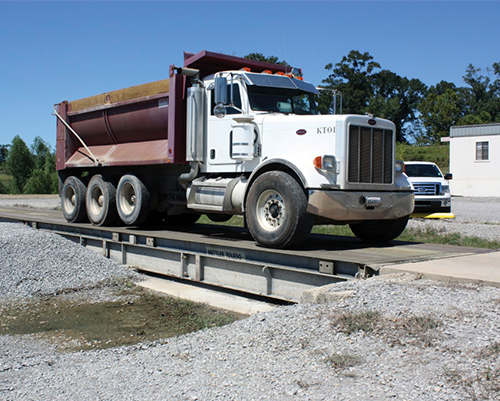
point(386, 338)
point(474, 217)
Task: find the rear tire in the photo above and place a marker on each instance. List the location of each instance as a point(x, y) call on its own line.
point(379, 230)
point(73, 200)
point(276, 211)
point(101, 200)
point(132, 200)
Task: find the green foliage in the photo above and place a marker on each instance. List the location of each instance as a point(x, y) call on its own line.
point(4, 152)
point(422, 115)
point(366, 90)
point(439, 111)
point(30, 172)
point(397, 98)
point(439, 154)
point(43, 180)
point(40, 150)
point(354, 77)
point(20, 164)
point(270, 59)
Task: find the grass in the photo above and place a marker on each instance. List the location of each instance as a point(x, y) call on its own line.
point(408, 329)
point(430, 236)
point(343, 361)
point(480, 383)
point(349, 323)
point(5, 181)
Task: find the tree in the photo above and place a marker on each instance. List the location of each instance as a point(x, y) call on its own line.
point(354, 77)
point(481, 98)
point(397, 98)
point(270, 59)
point(43, 180)
point(20, 164)
point(40, 149)
point(365, 89)
point(4, 152)
point(439, 111)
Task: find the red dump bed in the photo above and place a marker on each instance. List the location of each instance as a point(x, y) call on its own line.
point(139, 125)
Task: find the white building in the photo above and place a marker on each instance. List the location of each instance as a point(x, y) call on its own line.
point(475, 160)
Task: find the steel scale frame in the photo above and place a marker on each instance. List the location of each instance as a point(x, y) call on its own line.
point(263, 272)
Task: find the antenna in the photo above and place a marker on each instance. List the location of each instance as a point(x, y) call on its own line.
point(284, 40)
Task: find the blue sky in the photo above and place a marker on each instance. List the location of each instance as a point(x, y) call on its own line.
point(66, 50)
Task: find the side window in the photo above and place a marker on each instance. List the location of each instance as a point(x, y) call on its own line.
point(236, 100)
point(482, 151)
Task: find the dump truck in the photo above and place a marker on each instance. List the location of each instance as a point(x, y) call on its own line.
point(226, 136)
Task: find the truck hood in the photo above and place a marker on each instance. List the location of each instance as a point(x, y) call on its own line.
point(301, 124)
point(428, 180)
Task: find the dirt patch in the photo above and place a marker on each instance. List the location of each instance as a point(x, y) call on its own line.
point(130, 317)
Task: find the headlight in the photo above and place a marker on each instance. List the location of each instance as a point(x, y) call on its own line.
point(399, 167)
point(445, 189)
point(325, 162)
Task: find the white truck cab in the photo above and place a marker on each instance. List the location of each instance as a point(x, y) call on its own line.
point(432, 190)
point(268, 154)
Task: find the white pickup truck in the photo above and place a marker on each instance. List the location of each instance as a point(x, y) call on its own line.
point(432, 191)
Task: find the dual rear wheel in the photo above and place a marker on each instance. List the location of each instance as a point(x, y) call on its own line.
point(102, 200)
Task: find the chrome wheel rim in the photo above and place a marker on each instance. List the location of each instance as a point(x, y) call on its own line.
point(271, 211)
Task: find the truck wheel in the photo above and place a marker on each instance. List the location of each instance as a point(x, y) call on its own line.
point(101, 200)
point(73, 200)
point(379, 230)
point(276, 211)
point(132, 200)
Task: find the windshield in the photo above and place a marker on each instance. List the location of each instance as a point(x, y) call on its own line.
point(422, 170)
point(280, 100)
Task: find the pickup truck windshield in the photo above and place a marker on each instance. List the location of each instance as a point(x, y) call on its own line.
point(280, 100)
point(422, 170)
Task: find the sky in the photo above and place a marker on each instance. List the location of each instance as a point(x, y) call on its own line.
point(67, 50)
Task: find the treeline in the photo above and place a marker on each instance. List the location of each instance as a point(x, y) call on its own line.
point(28, 170)
point(422, 114)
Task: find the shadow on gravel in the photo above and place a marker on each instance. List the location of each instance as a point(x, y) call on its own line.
point(133, 316)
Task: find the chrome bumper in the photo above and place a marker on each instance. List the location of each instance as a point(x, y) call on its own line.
point(353, 206)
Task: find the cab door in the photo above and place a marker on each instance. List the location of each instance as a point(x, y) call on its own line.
point(219, 131)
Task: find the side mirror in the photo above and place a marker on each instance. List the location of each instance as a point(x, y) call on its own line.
point(448, 176)
point(220, 90)
point(220, 97)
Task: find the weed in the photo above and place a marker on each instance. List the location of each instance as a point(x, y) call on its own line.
point(350, 322)
point(483, 384)
point(397, 331)
point(343, 361)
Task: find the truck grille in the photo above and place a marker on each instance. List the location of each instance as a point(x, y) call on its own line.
point(370, 155)
point(427, 189)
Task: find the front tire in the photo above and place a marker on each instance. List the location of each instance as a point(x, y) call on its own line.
point(101, 200)
point(276, 211)
point(73, 200)
point(379, 230)
point(132, 200)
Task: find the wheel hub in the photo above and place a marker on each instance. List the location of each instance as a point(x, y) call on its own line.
point(273, 211)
